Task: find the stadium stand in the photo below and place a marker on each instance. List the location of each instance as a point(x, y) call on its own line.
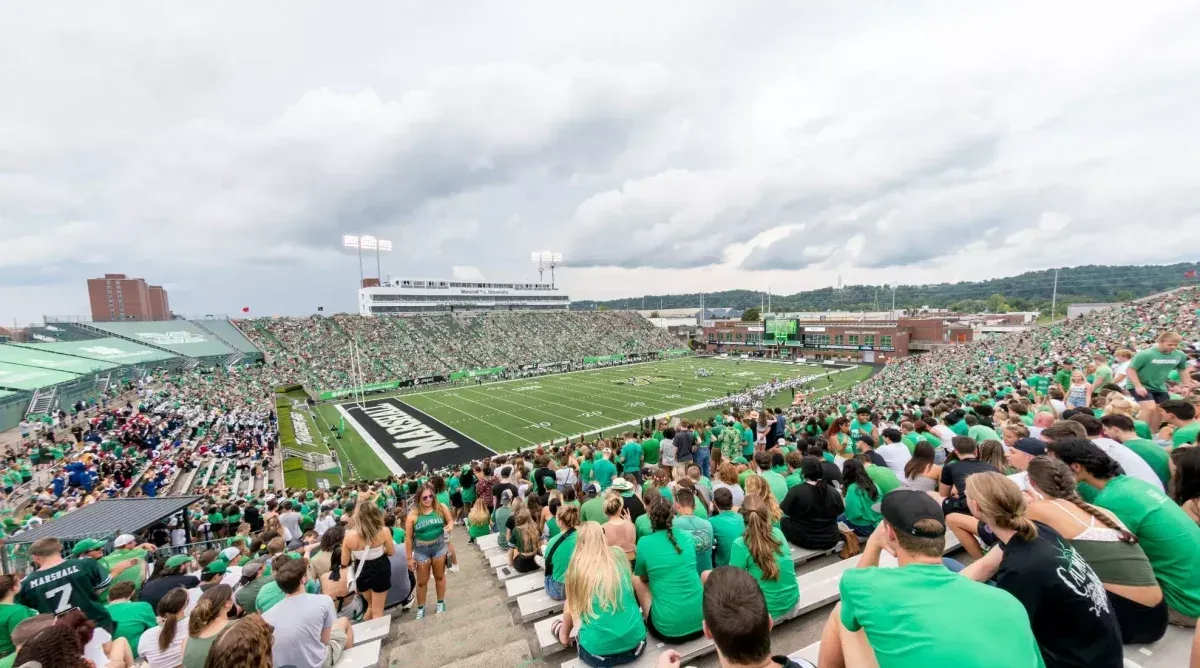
point(827, 467)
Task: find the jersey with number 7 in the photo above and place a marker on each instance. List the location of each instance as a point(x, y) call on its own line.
point(75, 583)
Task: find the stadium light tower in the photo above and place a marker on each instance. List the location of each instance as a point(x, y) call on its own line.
point(366, 242)
point(546, 258)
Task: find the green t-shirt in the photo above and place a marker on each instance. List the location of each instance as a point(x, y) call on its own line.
point(959, 428)
point(796, 478)
point(135, 574)
point(650, 450)
point(631, 457)
point(674, 582)
point(893, 605)
point(982, 433)
point(1142, 428)
point(132, 618)
point(11, 614)
point(478, 530)
point(641, 526)
point(604, 472)
point(742, 478)
point(1186, 434)
point(702, 535)
point(592, 510)
point(1155, 456)
point(727, 526)
point(1063, 378)
point(398, 536)
point(615, 630)
point(776, 482)
point(1103, 376)
point(859, 509)
point(782, 593)
point(7, 662)
point(562, 555)
point(246, 596)
point(585, 470)
point(1170, 539)
point(268, 596)
point(73, 583)
point(1154, 367)
point(911, 439)
point(429, 527)
point(885, 479)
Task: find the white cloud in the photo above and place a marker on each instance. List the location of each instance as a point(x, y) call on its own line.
point(223, 148)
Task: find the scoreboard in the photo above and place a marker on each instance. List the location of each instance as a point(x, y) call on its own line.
point(781, 330)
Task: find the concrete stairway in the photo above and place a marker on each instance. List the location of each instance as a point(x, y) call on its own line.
point(476, 631)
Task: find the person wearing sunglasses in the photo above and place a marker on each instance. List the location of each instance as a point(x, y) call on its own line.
point(426, 539)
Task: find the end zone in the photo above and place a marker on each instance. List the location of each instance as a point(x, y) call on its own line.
point(400, 434)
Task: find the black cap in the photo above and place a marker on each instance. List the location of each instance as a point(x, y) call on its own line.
point(1031, 446)
point(903, 508)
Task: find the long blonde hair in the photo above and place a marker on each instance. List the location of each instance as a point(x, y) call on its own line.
point(756, 485)
point(760, 536)
point(1001, 503)
point(595, 574)
point(479, 515)
point(368, 520)
point(528, 530)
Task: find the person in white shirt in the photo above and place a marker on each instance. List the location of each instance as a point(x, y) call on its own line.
point(1086, 426)
point(894, 452)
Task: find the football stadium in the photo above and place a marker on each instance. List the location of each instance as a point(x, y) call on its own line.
point(871, 338)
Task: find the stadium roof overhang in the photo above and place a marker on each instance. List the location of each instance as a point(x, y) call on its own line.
point(107, 518)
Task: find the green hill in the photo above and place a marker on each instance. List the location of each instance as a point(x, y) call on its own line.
point(1030, 291)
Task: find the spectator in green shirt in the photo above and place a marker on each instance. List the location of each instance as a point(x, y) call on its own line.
point(11, 612)
point(131, 618)
point(1121, 429)
point(1181, 415)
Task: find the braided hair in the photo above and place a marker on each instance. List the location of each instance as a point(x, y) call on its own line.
point(662, 516)
point(1056, 480)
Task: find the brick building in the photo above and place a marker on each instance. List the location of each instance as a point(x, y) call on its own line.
point(860, 341)
point(116, 297)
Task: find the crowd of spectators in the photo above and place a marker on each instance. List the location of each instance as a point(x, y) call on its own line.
point(320, 350)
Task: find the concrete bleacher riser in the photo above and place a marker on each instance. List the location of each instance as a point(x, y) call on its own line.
point(368, 644)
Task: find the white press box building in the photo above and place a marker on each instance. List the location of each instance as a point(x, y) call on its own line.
point(408, 296)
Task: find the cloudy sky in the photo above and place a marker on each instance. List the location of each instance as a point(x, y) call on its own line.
point(223, 148)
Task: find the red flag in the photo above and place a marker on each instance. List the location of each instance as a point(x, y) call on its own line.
point(1191, 273)
point(246, 309)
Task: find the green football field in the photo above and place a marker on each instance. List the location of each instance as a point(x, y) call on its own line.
point(512, 414)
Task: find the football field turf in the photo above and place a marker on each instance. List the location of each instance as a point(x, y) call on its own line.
point(507, 415)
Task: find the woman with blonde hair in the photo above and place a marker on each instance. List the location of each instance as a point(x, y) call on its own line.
point(479, 520)
point(757, 485)
point(426, 534)
point(244, 644)
point(601, 603)
point(991, 452)
point(525, 543)
point(1107, 546)
point(764, 553)
point(1121, 405)
point(1069, 612)
point(369, 543)
point(559, 551)
point(619, 531)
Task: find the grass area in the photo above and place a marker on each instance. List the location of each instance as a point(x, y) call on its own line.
point(513, 414)
point(358, 459)
point(836, 383)
point(292, 409)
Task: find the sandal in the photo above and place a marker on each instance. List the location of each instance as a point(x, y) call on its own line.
point(555, 628)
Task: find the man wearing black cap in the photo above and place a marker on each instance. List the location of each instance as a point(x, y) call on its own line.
point(883, 617)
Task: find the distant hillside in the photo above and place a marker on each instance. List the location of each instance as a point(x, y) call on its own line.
point(1030, 291)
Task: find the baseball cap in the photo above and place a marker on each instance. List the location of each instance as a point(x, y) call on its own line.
point(593, 488)
point(230, 553)
point(123, 540)
point(218, 567)
point(1031, 446)
point(903, 508)
point(177, 560)
point(86, 545)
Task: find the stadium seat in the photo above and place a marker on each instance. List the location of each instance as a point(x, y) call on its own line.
point(488, 542)
point(372, 630)
point(361, 656)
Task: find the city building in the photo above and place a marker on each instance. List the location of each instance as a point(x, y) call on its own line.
point(417, 295)
point(116, 298)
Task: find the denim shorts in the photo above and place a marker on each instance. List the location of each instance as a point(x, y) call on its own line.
point(555, 590)
point(612, 659)
point(426, 553)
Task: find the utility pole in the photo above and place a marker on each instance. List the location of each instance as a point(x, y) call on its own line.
point(1054, 297)
point(893, 300)
point(769, 299)
point(876, 297)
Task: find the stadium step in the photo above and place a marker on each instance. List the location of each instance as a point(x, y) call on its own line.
point(513, 654)
point(361, 656)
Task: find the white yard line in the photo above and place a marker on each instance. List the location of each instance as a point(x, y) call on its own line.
point(497, 410)
point(375, 447)
point(476, 418)
point(522, 405)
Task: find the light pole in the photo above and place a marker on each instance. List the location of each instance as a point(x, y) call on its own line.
point(367, 242)
point(546, 258)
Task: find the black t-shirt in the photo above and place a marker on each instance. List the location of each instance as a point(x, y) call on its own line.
point(539, 478)
point(498, 490)
point(810, 516)
point(956, 473)
point(154, 590)
point(830, 473)
point(876, 458)
point(634, 505)
point(1068, 608)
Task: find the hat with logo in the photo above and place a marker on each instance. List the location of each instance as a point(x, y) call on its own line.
point(86, 545)
point(904, 508)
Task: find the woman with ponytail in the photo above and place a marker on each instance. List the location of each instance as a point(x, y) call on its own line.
point(763, 552)
point(1069, 611)
point(1107, 546)
point(162, 646)
point(559, 551)
point(668, 586)
point(601, 603)
point(757, 485)
point(210, 616)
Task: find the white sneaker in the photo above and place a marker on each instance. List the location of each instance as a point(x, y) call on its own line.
point(453, 568)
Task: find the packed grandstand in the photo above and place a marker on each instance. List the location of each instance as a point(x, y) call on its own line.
point(1047, 482)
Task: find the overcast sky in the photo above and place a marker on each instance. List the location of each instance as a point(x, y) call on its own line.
point(223, 148)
